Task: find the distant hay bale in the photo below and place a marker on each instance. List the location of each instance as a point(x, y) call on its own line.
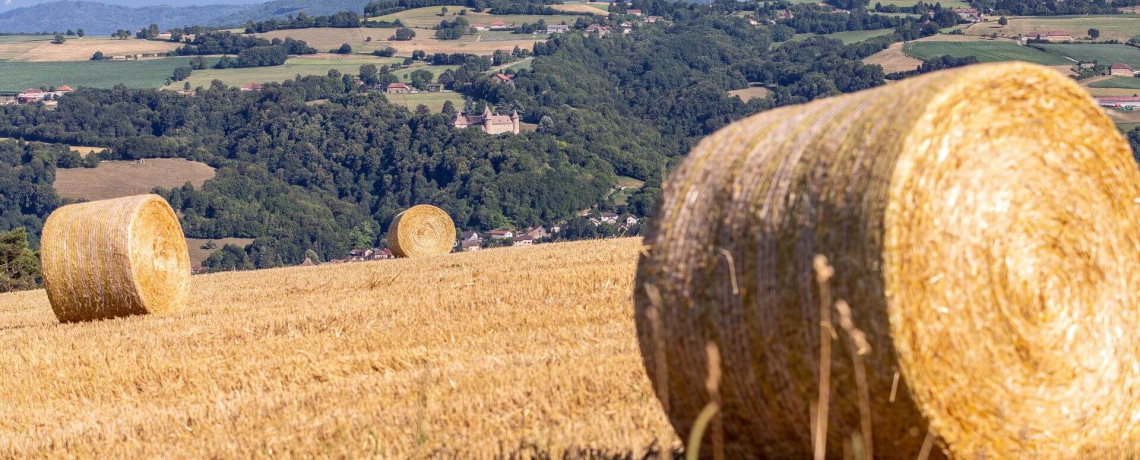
point(983, 224)
point(105, 259)
point(422, 230)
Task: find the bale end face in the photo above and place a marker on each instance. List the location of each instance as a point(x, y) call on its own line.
point(422, 230)
point(112, 258)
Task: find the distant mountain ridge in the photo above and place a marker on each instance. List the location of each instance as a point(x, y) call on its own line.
point(103, 19)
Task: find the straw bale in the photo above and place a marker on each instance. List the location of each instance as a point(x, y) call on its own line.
point(111, 258)
point(422, 230)
point(982, 226)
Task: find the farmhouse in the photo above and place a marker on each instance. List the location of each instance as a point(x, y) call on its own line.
point(470, 236)
point(969, 14)
point(601, 30)
point(489, 123)
point(1121, 69)
point(501, 234)
point(524, 240)
point(608, 217)
point(1087, 65)
point(470, 245)
point(252, 87)
point(499, 25)
point(1119, 102)
point(480, 27)
point(635, 12)
point(557, 28)
point(1055, 36)
point(504, 78)
point(31, 95)
point(398, 88)
point(537, 233)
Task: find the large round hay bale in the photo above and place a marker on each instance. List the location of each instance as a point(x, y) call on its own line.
point(422, 230)
point(982, 224)
point(105, 259)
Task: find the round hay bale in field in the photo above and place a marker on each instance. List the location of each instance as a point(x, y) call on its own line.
point(422, 230)
point(982, 224)
point(105, 259)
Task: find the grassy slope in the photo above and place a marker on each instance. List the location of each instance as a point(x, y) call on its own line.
point(985, 51)
point(450, 356)
point(1105, 54)
point(1117, 82)
point(433, 101)
point(17, 76)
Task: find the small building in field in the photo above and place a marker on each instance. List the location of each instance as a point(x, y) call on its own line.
point(480, 26)
point(435, 87)
point(557, 29)
point(252, 87)
point(488, 122)
point(1121, 69)
point(1119, 102)
point(31, 95)
point(1087, 65)
point(499, 25)
point(398, 88)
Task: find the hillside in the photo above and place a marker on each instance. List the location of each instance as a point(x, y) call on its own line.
point(453, 356)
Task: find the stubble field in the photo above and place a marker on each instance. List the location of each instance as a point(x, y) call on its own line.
point(113, 179)
point(461, 355)
point(79, 49)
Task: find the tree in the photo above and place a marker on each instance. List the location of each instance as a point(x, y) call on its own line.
point(186, 86)
point(344, 49)
point(176, 35)
point(420, 79)
point(152, 31)
point(199, 63)
point(79, 32)
point(181, 73)
point(1094, 34)
point(443, 11)
point(404, 34)
point(1002, 21)
point(19, 266)
point(418, 55)
point(59, 39)
point(386, 52)
point(448, 108)
point(70, 33)
point(98, 56)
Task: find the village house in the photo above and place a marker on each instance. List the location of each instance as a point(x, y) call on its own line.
point(1055, 36)
point(1087, 65)
point(504, 79)
point(595, 221)
point(523, 240)
point(969, 14)
point(435, 88)
point(398, 88)
point(1119, 102)
point(470, 245)
point(630, 220)
point(557, 28)
point(500, 25)
point(501, 234)
point(626, 28)
point(471, 236)
point(635, 12)
point(480, 27)
point(252, 87)
point(784, 14)
point(652, 19)
point(601, 30)
point(537, 233)
point(488, 122)
point(608, 217)
point(1121, 69)
point(8, 100)
point(30, 95)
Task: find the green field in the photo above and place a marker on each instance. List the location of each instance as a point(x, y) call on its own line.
point(292, 67)
point(433, 101)
point(985, 51)
point(1103, 54)
point(910, 3)
point(18, 76)
point(1118, 82)
point(1112, 27)
point(405, 74)
point(845, 37)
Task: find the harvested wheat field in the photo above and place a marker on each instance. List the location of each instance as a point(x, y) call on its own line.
point(600, 9)
point(451, 356)
point(329, 38)
point(114, 179)
point(893, 59)
point(82, 49)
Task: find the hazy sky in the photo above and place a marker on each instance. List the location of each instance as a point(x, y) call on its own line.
point(10, 4)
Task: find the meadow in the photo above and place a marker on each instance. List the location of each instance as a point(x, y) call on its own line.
point(985, 51)
point(113, 179)
point(462, 355)
point(433, 101)
point(78, 49)
point(1112, 27)
point(330, 38)
point(1103, 53)
point(18, 76)
point(1117, 82)
point(293, 67)
point(428, 17)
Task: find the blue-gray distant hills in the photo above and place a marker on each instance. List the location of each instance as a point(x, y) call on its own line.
point(103, 19)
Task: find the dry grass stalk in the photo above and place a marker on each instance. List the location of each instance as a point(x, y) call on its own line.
point(422, 230)
point(823, 273)
point(112, 258)
point(982, 226)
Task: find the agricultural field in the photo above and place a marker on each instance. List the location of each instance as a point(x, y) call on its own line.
point(329, 38)
point(77, 49)
point(1117, 82)
point(198, 253)
point(747, 94)
point(18, 76)
point(113, 179)
point(433, 101)
point(15, 45)
point(985, 51)
point(1124, 117)
point(428, 17)
point(1113, 92)
point(893, 59)
point(1104, 54)
point(318, 65)
point(1112, 27)
point(598, 8)
point(461, 355)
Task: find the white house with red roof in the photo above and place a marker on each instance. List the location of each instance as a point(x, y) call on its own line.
point(398, 88)
point(252, 87)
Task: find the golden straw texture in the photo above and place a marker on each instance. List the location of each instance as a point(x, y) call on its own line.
point(982, 224)
point(111, 258)
point(422, 230)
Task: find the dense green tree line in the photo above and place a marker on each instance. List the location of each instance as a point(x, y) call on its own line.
point(343, 19)
point(1045, 7)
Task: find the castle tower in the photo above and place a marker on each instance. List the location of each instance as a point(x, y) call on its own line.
point(515, 121)
point(487, 114)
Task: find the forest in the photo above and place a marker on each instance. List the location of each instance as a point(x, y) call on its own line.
point(326, 178)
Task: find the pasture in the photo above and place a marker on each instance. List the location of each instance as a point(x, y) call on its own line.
point(433, 101)
point(18, 76)
point(113, 179)
point(1103, 54)
point(319, 65)
point(454, 356)
point(1112, 27)
point(77, 49)
point(985, 51)
point(1117, 82)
